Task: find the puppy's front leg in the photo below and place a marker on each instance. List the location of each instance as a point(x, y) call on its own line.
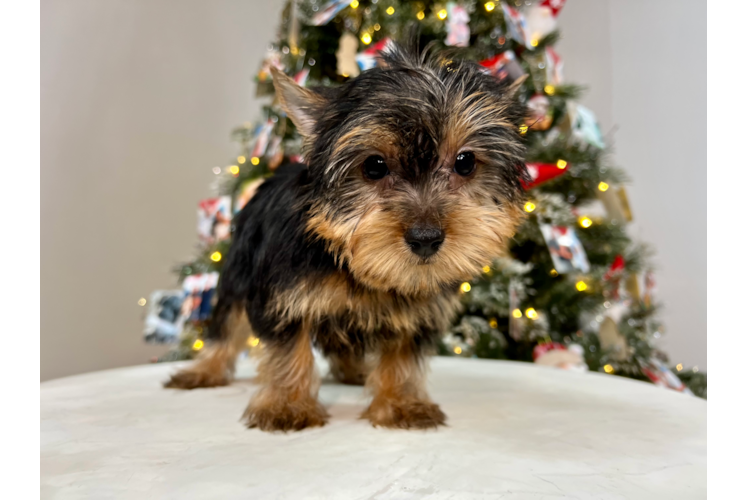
point(288, 399)
point(400, 398)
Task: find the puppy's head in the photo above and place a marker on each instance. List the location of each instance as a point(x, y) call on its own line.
point(415, 169)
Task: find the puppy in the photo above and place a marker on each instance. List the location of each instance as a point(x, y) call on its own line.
point(411, 186)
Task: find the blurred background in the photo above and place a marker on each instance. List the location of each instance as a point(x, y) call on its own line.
point(138, 98)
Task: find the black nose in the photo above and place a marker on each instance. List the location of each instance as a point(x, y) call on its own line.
point(424, 240)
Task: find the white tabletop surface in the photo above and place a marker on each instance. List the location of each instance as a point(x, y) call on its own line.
point(516, 431)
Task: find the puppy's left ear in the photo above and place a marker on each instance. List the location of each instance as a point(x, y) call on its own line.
point(515, 86)
point(300, 104)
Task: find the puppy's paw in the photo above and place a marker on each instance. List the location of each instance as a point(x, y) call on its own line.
point(404, 414)
point(193, 378)
point(285, 415)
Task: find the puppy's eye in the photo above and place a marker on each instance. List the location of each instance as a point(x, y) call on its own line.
point(375, 168)
point(465, 163)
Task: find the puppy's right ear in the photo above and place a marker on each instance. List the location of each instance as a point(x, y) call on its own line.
point(300, 104)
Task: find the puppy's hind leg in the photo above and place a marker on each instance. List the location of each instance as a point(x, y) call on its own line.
point(214, 366)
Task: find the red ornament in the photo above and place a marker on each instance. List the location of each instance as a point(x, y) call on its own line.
point(554, 5)
point(542, 172)
point(541, 349)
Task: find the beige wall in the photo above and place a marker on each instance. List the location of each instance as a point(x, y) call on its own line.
point(138, 99)
point(645, 65)
point(139, 96)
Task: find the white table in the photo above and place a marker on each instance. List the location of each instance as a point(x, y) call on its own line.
point(516, 431)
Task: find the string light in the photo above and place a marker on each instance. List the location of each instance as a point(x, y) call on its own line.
point(217, 170)
point(581, 286)
point(142, 301)
point(377, 27)
point(553, 273)
point(534, 42)
point(517, 313)
point(531, 313)
point(493, 323)
point(486, 269)
point(695, 369)
point(529, 207)
point(390, 10)
point(603, 186)
point(420, 15)
point(458, 350)
point(255, 160)
point(465, 287)
point(585, 222)
point(523, 129)
point(198, 345)
point(366, 38)
point(215, 256)
point(561, 164)
point(550, 89)
point(241, 159)
point(679, 367)
point(354, 4)
point(489, 6)
point(253, 341)
point(234, 169)
point(608, 368)
point(442, 14)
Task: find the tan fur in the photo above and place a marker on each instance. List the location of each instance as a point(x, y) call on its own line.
point(367, 309)
point(288, 400)
point(400, 398)
point(215, 364)
point(349, 368)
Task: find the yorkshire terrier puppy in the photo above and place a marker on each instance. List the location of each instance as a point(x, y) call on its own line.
point(411, 186)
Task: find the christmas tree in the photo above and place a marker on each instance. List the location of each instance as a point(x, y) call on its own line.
point(573, 291)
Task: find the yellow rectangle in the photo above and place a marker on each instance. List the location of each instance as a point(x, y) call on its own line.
point(712, 447)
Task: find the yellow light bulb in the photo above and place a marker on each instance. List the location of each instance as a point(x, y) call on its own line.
point(377, 27)
point(234, 169)
point(585, 222)
point(493, 323)
point(554, 273)
point(523, 129)
point(354, 4)
point(489, 6)
point(581, 286)
point(390, 10)
point(608, 368)
point(241, 159)
point(420, 15)
point(550, 89)
point(517, 313)
point(603, 186)
point(534, 42)
point(531, 313)
point(255, 160)
point(142, 301)
point(529, 207)
point(458, 350)
point(253, 341)
point(465, 287)
point(486, 269)
point(442, 14)
point(366, 38)
point(679, 367)
point(198, 345)
point(215, 256)
point(561, 164)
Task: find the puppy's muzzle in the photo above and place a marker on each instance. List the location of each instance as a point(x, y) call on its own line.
point(424, 241)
